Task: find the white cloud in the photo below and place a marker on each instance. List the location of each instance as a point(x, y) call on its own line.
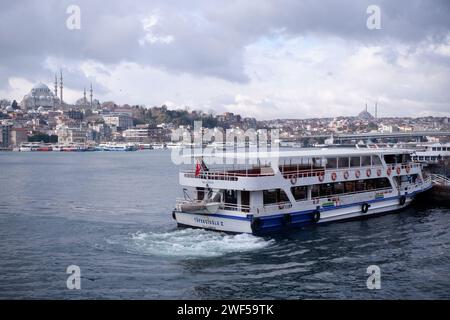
point(293, 59)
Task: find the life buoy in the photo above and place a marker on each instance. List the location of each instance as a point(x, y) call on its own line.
point(281, 206)
point(408, 168)
point(294, 179)
point(321, 176)
point(333, 176)
point(379, 172)
point(365, 207)
point(398, 170)
point(287, 219)
point(389, 171)
point(357, 173)
point(316, 216)
point(346, 175)
point(402, 200)
point(256, 224)
point(368, 172)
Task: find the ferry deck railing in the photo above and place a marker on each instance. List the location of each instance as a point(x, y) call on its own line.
point(299, 171)
point(439, 179)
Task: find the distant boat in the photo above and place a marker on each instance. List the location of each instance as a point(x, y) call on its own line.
point(116, 147)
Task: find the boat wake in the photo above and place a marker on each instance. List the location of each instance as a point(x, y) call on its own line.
point(192, 243)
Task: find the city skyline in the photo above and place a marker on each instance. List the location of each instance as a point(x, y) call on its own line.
point(307, 60)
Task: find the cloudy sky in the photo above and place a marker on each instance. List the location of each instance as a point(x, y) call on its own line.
point(266, 59)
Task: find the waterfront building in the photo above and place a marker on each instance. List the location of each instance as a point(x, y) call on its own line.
point(67, 135)
point(5, 134)
point(18, 135)
point(120, 120)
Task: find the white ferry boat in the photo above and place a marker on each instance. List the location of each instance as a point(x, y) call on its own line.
point(432, 153)
point(295, 188)
point(116, 147)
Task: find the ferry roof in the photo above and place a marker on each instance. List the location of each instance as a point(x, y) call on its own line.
point(306, 153)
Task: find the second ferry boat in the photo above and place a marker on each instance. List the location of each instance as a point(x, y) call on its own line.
point(280, 190)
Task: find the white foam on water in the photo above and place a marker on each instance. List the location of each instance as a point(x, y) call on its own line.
point(194, 243)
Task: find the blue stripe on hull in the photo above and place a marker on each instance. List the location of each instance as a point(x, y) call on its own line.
point(275, 222)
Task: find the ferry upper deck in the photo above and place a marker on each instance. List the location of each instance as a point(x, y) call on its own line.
point(300, 167)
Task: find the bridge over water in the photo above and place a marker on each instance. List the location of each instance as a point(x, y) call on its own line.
point(372, 136)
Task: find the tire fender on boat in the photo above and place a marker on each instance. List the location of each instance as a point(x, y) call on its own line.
point(173, 215)
point(365, 207)
point(256, 224)
point(287, 219)
point(402, 200)
point(316, 216)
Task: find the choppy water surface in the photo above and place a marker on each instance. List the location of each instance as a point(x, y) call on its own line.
point(109, 213)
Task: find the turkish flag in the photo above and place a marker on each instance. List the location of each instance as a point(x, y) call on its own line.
point(197, 169)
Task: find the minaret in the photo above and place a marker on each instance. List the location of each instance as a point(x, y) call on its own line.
point(56, 85)
point(91, 95)
point(61, 87)
point(84, 98)
point(376, 109)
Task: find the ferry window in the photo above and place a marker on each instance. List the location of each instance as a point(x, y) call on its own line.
point(230, 196)
point(370, 184)
point(389, 158)
point(438, 149)
point(355, 162)
point(406, 158)
point(382, 183)
point(315, 191)
point(359, 185)
point(331, 163)
point(299, 193)
point(282, 196)
point(365, 161)
point(343, 162)
point(326, 189)
point(376, 161)
point(434, 149)
point(200, 193)
point(270, 196)
point(317, 162)
point(274, 196)
point(349, 186)
point(339, 188)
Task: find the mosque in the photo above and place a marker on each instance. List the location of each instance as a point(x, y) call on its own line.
point(41, 96)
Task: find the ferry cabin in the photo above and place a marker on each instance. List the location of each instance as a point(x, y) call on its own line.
point(275, 191)
point(432, 153)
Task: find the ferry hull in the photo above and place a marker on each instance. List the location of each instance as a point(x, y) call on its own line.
point(277, 222)
point(213, 222)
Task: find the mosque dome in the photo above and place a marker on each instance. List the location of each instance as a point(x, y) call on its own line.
point(365, 115)
point(39, 96)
